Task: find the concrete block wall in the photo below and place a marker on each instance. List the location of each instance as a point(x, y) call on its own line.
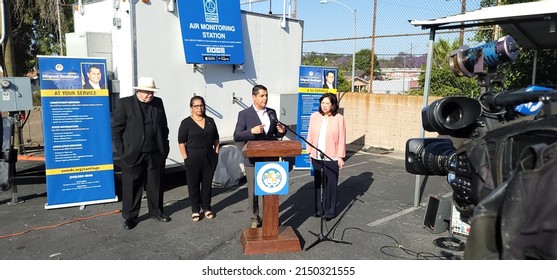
point(382, 120)
point(378, 120)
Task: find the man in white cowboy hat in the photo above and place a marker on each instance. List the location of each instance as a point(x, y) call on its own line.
point(140, 136)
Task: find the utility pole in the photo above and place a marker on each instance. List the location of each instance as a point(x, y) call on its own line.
point(462, 10)
point(7, 44)
point(497, 29)
point(59, 28)
point(9, 68)
point(372, 47)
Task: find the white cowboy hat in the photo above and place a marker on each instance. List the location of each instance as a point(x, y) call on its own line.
point(147, 84)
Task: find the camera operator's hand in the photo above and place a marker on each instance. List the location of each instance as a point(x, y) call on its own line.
point(340, 163)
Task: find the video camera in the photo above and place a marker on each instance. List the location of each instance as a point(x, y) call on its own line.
point(494, 128)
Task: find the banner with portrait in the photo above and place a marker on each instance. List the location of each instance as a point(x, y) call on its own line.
point(77, 136)
point(314, 81)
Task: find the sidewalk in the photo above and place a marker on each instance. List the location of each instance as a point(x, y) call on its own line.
point(376, 215)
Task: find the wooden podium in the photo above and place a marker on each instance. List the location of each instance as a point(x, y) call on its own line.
point(270, 238)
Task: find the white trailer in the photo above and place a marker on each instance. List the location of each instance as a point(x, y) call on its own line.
point(143, 38)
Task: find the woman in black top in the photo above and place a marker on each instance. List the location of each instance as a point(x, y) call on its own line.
point(198, 139)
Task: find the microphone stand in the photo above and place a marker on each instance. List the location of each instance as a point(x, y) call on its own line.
point(321, 236)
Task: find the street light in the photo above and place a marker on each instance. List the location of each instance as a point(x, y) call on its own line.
point(353, 39)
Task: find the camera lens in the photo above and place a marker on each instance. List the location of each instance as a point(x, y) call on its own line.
point(429, 156)
point(436, 155)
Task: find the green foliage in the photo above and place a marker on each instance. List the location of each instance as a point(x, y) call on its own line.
point(314, 58)
point(35, 31)
point(443, 82)
point(518, 74)
point(404, 60)
point(340, 61)
point(343, 85)
point(363, 62)
point(36, 97)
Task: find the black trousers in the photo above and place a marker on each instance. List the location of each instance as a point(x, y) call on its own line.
point(326, 197)
point(146, 174)
point(200, 169)
point(254, 201)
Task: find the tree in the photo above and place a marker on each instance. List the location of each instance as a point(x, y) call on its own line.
point(518, 73)
point(314, 58)
point(34, 31)
point(443, 81)
point(332, 60)
point(404, 60)
point(363, 60)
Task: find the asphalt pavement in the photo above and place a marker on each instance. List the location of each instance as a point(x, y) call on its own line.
point(377, 220)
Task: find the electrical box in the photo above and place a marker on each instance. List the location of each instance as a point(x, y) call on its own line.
point(90, 44)
point(286, 105)
point(16, 94)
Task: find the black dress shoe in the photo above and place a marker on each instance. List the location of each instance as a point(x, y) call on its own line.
point(162, 218)
point(130, 224)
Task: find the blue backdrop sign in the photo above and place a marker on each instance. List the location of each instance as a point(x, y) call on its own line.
point(314, 81)
point(211, 31)
point(77, 136)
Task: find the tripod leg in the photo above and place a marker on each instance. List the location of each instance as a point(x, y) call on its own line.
point(320, 236)
point(319, 239)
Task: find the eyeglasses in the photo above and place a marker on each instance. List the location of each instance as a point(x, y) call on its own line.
point(198, 106)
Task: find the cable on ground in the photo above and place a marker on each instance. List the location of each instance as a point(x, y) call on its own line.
point(60, 224)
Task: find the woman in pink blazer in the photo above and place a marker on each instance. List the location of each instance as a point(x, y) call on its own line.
point(327, 132)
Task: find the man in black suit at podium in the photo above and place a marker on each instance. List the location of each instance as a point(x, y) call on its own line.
point(254, 123)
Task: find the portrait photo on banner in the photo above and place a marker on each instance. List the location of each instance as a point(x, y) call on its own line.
point(93, 75)
point(330, 78)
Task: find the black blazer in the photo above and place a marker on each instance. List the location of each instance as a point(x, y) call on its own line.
point(128, 131)
point(327, 86)
point(88, 85)
point(247, 119)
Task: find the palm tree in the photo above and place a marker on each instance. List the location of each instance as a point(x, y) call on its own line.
point(441, 51)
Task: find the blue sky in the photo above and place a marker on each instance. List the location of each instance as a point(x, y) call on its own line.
point(333, 20)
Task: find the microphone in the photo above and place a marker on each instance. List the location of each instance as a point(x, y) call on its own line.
point(273, 116)
point(519, 97)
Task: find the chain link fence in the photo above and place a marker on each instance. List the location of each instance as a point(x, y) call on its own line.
point(383, 27)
